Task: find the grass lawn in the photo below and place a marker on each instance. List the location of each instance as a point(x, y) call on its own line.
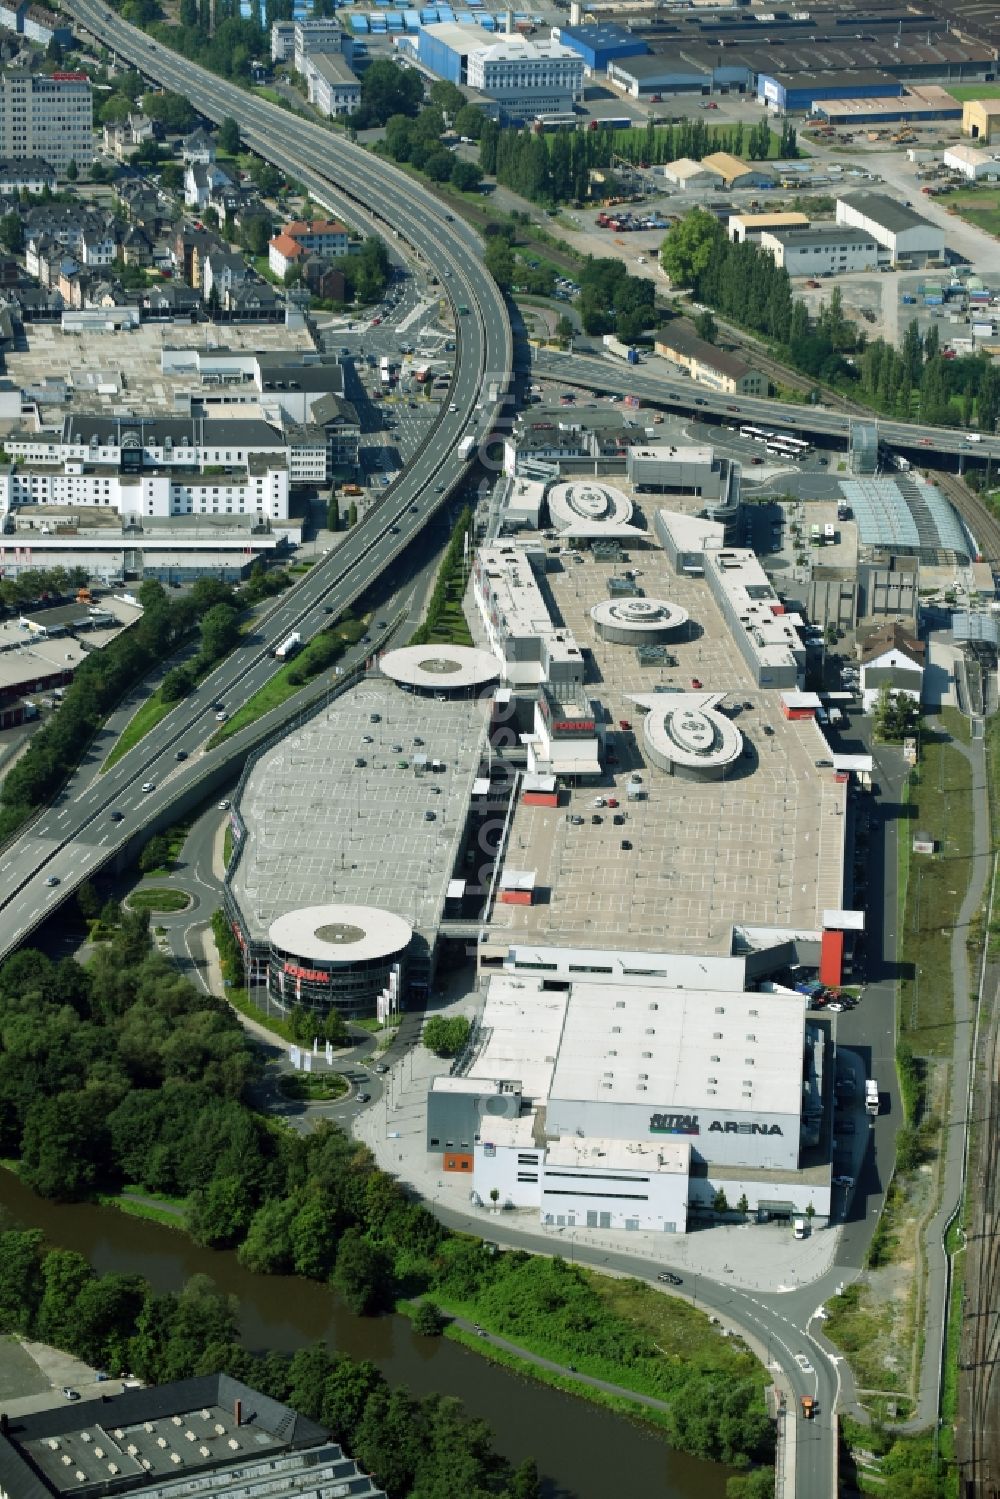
point(313, 1086)
point(977, 205)
point(288, 680)
point(170, 1215)
point(152, 712)
point(19, 1374)
point(681, 1333)
point(940, 794)
point(159, 900)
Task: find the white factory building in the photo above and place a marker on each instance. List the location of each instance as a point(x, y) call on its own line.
point(528, 77)
point(905, 235)
point(628, 1106)
point(975, 164)
point(521, 633)
point(824, 251)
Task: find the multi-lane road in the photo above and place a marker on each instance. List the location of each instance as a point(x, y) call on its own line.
point(656, 385)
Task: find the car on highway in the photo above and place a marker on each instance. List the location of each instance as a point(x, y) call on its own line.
point(148, 786)
point(181, 755)
point(364, 1098)
point(381, 1067)
point(842, 1181)
point(221, 716)
point(224, 805)
point(669, 1278)
point(53, 879)
point(118, 817)
point(804, 1363)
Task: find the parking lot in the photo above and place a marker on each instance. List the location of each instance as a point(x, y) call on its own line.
point(762, 847)
point(323, 827)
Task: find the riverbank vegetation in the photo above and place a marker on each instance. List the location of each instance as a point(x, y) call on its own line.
point(413, 1446)
point(120, 1076)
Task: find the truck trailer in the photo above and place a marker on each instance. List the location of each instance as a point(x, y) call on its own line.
point(288, 646)
point(871, 1096)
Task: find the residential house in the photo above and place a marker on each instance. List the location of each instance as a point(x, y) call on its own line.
point(891, 655)
point(321, 236)
point(253, 302)
point(123, 138)
point(171, 300)
point(222, 271)
point(98, 247)
point(325, 281)
point(339, 420)
point(189, 249)
point(200, 182)
point(136, 246)
point(283, 253)
point(44, 26)
point(198, 149)
point(28, 174)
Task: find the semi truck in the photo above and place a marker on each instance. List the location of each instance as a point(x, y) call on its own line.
point(871, 1096)
point(615, 346)
point(288, 646)
point(466, 447)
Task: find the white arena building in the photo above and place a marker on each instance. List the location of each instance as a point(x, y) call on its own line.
point(607, 1106)
point(684, 734)
point(638, 621)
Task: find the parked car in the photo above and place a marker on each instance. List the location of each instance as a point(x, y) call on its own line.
point(669, 1278)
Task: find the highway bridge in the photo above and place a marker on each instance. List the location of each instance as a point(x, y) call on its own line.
point(652, 382)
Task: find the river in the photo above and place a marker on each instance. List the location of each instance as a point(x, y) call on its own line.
point(583, 1451)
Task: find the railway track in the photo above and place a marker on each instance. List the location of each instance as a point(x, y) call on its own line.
point(978, 1433)
point(981, 522)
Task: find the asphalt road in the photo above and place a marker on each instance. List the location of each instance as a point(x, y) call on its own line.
point(655, 384)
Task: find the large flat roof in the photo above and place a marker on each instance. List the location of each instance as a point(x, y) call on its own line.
point(322, 829)
point(890, 214)
point(522, 1023)
point(693, 1048)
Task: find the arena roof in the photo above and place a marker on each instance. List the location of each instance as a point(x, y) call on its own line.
point(693, 1047)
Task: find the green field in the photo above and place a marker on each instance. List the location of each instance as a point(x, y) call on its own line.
point(979, 206)
point(975, 91)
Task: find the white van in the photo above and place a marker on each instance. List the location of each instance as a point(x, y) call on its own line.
point(799, 1228)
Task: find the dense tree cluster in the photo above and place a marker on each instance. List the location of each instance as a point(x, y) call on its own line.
point(446, 1036)
point(612, 301)
point(427, 1448)
point(556, 167)
point(895, 715)
point(917, 382)
point(387, 90)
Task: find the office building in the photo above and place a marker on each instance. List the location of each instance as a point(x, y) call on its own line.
point(318, 34)
point(522, 76)
point(51, 117)
point(531, 647)
point(332, 84)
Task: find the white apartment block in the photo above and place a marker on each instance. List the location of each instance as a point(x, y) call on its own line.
point(47, 117)
point(159, 466)
point(259, 488)
point(319, 34)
